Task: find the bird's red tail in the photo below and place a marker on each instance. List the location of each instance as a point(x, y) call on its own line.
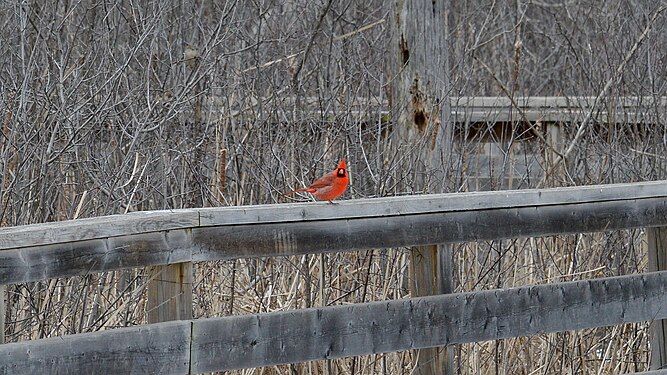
point(304, 190)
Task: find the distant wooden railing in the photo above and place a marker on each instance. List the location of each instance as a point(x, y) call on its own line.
point(79, 247)
point(499, 109)
point(559, 109)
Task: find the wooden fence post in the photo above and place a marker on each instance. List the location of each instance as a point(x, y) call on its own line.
point(431, 270)
point(657, 261)
point(554, 136)
point(421, 116)
point(3, 311)
point(170, 292)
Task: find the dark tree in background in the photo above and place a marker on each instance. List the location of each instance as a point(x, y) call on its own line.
point(421, 135)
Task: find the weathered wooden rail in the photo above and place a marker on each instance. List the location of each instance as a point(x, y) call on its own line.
point(550, 109)
point(499, 109)
point(43, 251)
point(219, 344)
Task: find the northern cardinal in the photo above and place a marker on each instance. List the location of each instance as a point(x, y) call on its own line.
point(328, 187)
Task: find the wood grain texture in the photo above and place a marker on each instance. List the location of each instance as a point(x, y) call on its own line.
point(656, 240)
point(96, 228)
point(362, 329)
point(418, 204)
point(317, 236)
point(220, 344)
point(431, 274)
point(419, 61)
point(3, 311)
point(148, 349)
point(146, 222)
point(84, 257)
point(170, 292)
point(271, 230)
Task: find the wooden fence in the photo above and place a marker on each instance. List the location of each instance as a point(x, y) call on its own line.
point(79, 247)
point(498, 109)
point(550, 109)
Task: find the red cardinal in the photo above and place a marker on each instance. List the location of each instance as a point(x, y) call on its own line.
point(328, 187)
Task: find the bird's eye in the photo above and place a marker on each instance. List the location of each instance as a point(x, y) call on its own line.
point(341, 172)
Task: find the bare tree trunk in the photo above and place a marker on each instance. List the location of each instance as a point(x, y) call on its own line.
point(422, 133)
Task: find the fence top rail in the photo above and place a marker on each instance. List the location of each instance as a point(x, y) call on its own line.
point(79, 247)
point(158, 221)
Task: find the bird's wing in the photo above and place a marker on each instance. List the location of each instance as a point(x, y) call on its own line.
point(323, 182)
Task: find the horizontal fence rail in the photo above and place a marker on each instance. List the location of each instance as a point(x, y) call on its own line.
point(227, 343)
point(498, 109)
point(79, 247)
point(625, 109)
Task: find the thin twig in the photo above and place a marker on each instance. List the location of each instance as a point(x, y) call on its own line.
point(619, 70)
